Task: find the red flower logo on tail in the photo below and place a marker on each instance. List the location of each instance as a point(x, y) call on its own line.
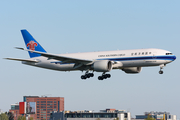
point(32, 45)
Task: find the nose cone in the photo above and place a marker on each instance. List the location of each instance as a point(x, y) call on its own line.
point(174, 57)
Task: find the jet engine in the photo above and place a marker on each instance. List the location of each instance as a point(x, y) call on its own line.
point(102, 66)
point(132, 70)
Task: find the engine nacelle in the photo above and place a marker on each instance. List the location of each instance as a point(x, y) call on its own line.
point(102, 66)
point(132, 70)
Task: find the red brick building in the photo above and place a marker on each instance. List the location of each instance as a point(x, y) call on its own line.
point(45, 105)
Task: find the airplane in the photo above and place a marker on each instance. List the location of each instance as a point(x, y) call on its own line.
point(129, 61)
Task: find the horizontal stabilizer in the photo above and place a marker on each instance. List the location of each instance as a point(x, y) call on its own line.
point(27, 60)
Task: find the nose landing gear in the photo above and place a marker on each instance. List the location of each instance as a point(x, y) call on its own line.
point(161, 67)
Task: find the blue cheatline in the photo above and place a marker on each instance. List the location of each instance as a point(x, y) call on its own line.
point(172, 58)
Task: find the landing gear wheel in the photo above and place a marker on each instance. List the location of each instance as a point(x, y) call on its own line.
point(160, 72)
point(100, 78)
point(91, 74)
point(104, 76)
point(87, 75)
point(83, 77)
point(108, 75)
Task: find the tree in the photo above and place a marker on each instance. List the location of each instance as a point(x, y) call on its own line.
point(116, 118)
point(3, 116)
point(10, 115)
point(31, 118)
point(150, 118)
point(98, 119)
point(21, 118)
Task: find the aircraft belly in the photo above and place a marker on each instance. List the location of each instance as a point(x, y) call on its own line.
point(154, 62)
point(168, 61)
point(133, 63)
point(64, 67)
point(52, 66)
point(143, 63)
point(67, 67)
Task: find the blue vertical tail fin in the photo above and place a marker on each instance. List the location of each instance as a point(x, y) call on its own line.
point(32, 44)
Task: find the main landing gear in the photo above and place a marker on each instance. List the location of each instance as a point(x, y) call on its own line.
point(87, 75)
point(161, 67)
point(104, 76)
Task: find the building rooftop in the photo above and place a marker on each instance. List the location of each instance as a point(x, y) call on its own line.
point(40, 97)
point(156, 113)
point(101, 111)
point(32, 96)
point(15, 104)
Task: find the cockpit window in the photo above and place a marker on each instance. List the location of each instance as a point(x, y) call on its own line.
point(168, 53)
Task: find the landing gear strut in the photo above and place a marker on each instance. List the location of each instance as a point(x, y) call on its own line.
point(104, 76)
point(87, 75)
point(161, 67)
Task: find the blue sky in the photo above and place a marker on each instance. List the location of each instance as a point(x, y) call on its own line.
point(84, 26)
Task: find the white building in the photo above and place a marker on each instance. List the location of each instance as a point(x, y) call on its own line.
point(108, 114)
point(1, 111)
point(157, 116)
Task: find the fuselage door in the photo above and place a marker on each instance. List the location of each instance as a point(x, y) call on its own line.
point(154, 55)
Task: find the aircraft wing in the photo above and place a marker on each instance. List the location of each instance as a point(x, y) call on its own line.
point(17, 59)
point(64, 59)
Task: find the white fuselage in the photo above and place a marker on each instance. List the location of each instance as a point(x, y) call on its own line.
point(123, 59)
